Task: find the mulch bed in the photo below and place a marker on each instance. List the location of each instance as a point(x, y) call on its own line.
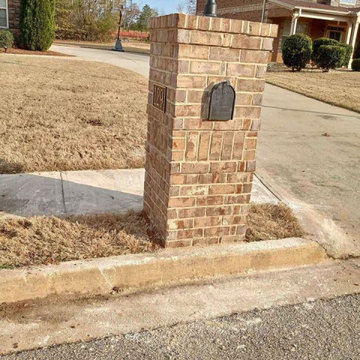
point(30, 52)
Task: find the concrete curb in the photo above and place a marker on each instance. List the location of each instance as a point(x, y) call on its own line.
point(170, 266)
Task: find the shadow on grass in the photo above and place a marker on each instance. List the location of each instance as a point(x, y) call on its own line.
point(7, 167)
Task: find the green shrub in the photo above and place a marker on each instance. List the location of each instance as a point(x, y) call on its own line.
point(37, 24)
point(296, 51)
point(6, 39)
point(320, 42)
point(330, 56)
point(347, 56)
point(356, 65)
point(357, 51)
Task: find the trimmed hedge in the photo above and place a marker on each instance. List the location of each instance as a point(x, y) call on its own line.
point(347, 56)
point(37, 24)
point(356, 65)
point(331, 42)
point(330, 56)
point(6, 39)
point(320, 42)
point(296, 51)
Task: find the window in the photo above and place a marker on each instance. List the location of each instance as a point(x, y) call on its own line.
point(3, 14)
point(301, 28)
point(348, 2)
point(335, 32)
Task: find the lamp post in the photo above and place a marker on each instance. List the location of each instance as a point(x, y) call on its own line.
point(118, 44)
point(211, 8)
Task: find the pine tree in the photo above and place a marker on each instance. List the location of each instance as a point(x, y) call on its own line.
point(37, 24)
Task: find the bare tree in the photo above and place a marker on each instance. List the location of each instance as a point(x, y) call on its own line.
point(191, 6)
point(181, 7)
point(131, 13)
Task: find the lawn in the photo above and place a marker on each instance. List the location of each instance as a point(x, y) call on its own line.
point(50, 240)
point(341, 88)
point(66, 114)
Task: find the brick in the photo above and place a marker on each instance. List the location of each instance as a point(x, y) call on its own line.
point(215, 147)
point(238, 145)
point(189, 234)
point(200, 37)
point(204, 146)
point(246, 42)
point(241, 70)
point(205, 67)
point(218, 53)
point(221, 189)
point(181, 202)
point(193, 190)
point(258, 57)
point(216, 231)
point(190, 81)
point(194, 168)
point(195, 96)
point(193, 52)
point(253, 85)
point(228, 166)
point(191, 213)
point(213, 178)
point(192, 23)
point(204, 23)
point(192, 146)
point(207, 221)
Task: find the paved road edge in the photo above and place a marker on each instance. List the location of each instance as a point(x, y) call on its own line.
point(167, 267)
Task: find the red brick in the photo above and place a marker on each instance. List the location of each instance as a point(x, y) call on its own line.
point(181, 202)
point(204, 146)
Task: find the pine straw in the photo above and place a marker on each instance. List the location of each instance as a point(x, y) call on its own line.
point(50, 240)
point(270, 222)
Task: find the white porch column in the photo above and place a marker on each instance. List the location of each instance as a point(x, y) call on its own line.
point(294, 22)
point(348, 35)
point(353, 40)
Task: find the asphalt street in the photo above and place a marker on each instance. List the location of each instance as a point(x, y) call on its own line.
point(323, 329)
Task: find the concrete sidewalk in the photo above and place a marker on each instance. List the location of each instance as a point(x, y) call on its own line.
point(83, 193)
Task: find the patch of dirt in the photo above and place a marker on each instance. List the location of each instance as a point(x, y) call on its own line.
point(64, 114)
point(271, 222)
point(50, 240)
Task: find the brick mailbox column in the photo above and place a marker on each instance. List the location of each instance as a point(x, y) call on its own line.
point(198, 172)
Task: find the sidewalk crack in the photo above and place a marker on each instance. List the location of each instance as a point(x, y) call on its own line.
point(63, 192)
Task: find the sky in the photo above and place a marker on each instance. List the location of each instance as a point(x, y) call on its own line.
point(163, 6)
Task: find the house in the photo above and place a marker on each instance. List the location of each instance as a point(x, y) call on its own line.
point(335, 19)
point(9, 14)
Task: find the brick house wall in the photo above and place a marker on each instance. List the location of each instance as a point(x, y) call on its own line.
point(14, 14)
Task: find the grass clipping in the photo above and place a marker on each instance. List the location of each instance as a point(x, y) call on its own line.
point(271, 222)
point(50, 240)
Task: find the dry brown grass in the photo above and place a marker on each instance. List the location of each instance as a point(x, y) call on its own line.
point(49, 240)
point(271, 222)
point(62, 114)
point(341, 88)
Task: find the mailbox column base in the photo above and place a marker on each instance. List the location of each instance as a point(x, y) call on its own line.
point(199, 172)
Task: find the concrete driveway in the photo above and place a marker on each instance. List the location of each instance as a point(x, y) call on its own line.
point(308, 151)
